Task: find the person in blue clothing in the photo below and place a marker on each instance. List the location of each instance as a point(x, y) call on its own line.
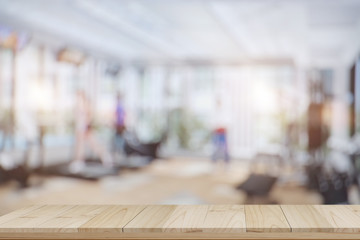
point(221, 145)
point(219, 138)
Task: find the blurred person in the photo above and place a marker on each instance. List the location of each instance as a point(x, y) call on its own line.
point(291, 140)
point(220, 136)
point(317, 131)
point(84, 134)
point(7, 129)
point(119, 140)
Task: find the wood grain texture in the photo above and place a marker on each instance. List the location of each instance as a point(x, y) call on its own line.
point(265, 218)
point(112, 219)
point(341, 218)
point(182, 222)
point(305, 218)
point(30, 221)
point(18, 213)
point(189, 219)
point(182, 236)
point(322, 218)
point(354, 208)
point(151, 219)
point(224, 219)
point(71, 219)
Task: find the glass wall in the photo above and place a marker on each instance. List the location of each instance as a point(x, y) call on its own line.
point(179, 101)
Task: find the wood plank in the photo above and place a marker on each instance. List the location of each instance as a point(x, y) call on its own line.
point(29, 222)
point(72, 219)
point(354, 208)
point(225, 219)
point(265, 218)
point(323, 218)
point(190, 219)
point(182, 236)
point(184, 221)
point(306, 218)
point(206, 218)
point(151, 219)
point(341, 218)
point(112, 219)
point(18, 213)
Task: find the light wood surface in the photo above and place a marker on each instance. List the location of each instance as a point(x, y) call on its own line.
point(182, 222)
point(305, 218)
point(189, 219)
point(265, 218)
point(323, 218)
point(112, 218)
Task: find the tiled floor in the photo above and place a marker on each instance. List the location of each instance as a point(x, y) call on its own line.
point(174, 181)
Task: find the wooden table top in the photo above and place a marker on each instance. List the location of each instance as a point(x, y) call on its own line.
point(183, 222)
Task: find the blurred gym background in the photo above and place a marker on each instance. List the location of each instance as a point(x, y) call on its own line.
point(179, 102)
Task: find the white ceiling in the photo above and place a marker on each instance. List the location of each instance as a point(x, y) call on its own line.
point(308, 32)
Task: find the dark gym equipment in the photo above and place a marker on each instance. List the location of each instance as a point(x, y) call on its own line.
point(312, 172)
point(257, 185)
point(334, 189)
point(333, 186)
point(133, 146)
point(143, 149)
point(19, 174)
